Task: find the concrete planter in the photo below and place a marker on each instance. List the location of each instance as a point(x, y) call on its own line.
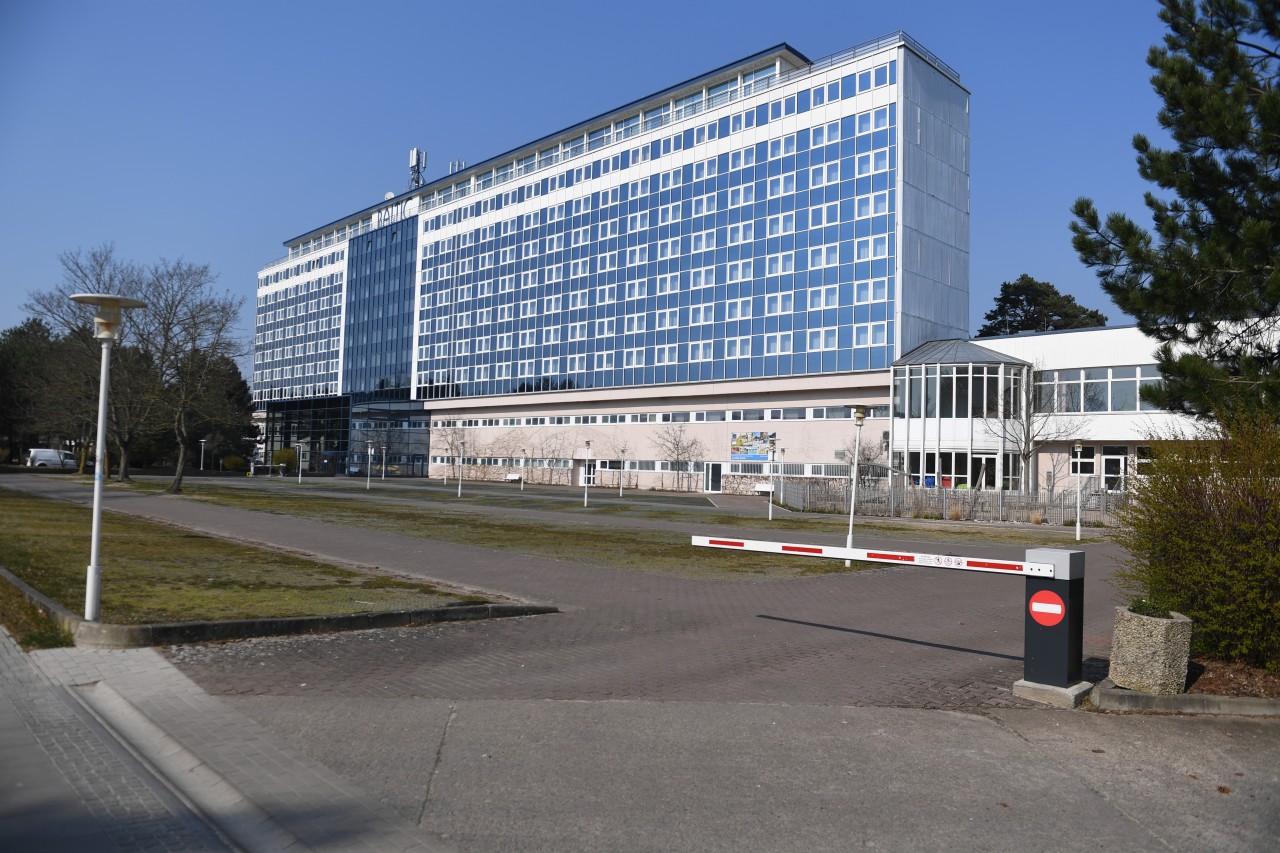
point(1150, 654)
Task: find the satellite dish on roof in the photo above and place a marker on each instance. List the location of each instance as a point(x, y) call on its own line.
point(388, 196)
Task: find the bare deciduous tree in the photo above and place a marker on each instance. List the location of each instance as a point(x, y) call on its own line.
point(1029, 428)
point(170, 365)
point(682, 451)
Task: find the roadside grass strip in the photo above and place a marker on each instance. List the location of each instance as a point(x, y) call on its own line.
point(157, 573)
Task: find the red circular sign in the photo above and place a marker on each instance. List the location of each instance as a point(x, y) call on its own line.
point(1047, 608)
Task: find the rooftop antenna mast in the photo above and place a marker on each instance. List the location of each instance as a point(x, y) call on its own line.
point(417, 164)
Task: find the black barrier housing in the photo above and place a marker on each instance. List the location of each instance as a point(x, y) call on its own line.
point(1052, 655)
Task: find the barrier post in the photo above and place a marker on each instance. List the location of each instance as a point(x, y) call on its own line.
point(1053, 636)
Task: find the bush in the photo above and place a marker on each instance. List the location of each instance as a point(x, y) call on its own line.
point(1203, 532)
point(233, 463)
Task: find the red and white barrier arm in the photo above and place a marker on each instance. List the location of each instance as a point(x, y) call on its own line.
point(865, 555)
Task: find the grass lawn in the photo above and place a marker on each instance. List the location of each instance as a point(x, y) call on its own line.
point(665, 552)
point(156, 573)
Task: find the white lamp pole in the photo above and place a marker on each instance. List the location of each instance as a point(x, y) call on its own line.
point(586, 473)
point(297, 448)
point(858, 417)
point(368, 464)
point(462, 451)
point(384, 462)
point(773, 454)
point(106, 325)
point(1079, 449)
point(202, 441)
point(524, 466)
point(782, 478)
point(622, 472)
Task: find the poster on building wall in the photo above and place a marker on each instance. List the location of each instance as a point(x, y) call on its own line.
point(751, 446)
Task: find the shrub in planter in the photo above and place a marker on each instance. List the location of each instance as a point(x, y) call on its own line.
point(1150, 649)
point(1203, 532)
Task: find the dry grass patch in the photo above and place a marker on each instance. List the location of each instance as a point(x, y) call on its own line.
point(156, 573)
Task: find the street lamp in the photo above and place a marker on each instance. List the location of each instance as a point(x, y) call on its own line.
point(106, 325)
point(1078, 448)
point(524, 466)
point(462, 451)
point(782, 479)
point(773, 454)
point(368, 463)
point(859, 415)
point(384, 462)
point(586, 473)
point(297, 448)
point(202, 441)
point(622, 470)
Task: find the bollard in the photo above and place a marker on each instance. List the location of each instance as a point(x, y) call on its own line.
point(1053, 636)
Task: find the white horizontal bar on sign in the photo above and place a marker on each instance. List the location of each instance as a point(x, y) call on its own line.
point(838, 552)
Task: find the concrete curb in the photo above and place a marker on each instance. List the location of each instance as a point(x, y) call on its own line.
point(105, 635)
point(1108, 697)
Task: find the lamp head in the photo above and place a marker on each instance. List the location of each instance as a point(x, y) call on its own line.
point(859, 414)
point(1079, 445)
point(106, 320)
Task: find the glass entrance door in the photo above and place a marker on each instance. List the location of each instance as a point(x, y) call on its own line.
point(1115, 467)
point(714, 478)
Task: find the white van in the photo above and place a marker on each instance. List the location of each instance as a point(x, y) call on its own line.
point(43, 457)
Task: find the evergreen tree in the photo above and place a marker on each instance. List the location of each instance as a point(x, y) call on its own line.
point(1206, 276)
point(1027, 305)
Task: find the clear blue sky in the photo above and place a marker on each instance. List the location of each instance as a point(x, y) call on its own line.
point(215, 131)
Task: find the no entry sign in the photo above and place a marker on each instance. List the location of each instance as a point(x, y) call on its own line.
point(1047, 608)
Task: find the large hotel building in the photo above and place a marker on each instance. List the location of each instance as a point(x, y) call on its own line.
point(745, 252)
point(668, 292)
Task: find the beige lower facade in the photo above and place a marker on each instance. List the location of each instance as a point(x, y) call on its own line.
point(730, 437)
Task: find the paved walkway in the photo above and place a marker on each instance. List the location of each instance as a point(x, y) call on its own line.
point(798, 714)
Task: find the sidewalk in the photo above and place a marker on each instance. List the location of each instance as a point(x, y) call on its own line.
point(823, 713)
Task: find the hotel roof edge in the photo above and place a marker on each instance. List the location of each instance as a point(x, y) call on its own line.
point(780, 49)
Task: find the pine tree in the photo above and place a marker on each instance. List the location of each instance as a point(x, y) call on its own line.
point(1205, 277)
point(1028, 305)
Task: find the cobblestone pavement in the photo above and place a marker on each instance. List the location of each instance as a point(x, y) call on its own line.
point(894, 636)
point(66, 786)
point(702, 715)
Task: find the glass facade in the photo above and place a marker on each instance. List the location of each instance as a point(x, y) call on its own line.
point(667, 262)
point(377, 348)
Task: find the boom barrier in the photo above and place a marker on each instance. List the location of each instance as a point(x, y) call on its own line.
point(1053, 633)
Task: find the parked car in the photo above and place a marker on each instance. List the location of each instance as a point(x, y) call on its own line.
point(44, 457)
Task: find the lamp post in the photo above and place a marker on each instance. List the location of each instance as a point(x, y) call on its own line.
point(384, 462)
point(622, 471)
point(586, 473)
point(202, 441)
point(524, 466)
point(462, 451)
point(773, 454)
point(859, 415)
point(1078, 449)
point(297, 448)
point(368, 463)
point(106, 325)
point(782, 478)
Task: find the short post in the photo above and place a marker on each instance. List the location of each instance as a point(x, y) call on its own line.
point(1053, 633)
point(462, 451)
point(1078, 449)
